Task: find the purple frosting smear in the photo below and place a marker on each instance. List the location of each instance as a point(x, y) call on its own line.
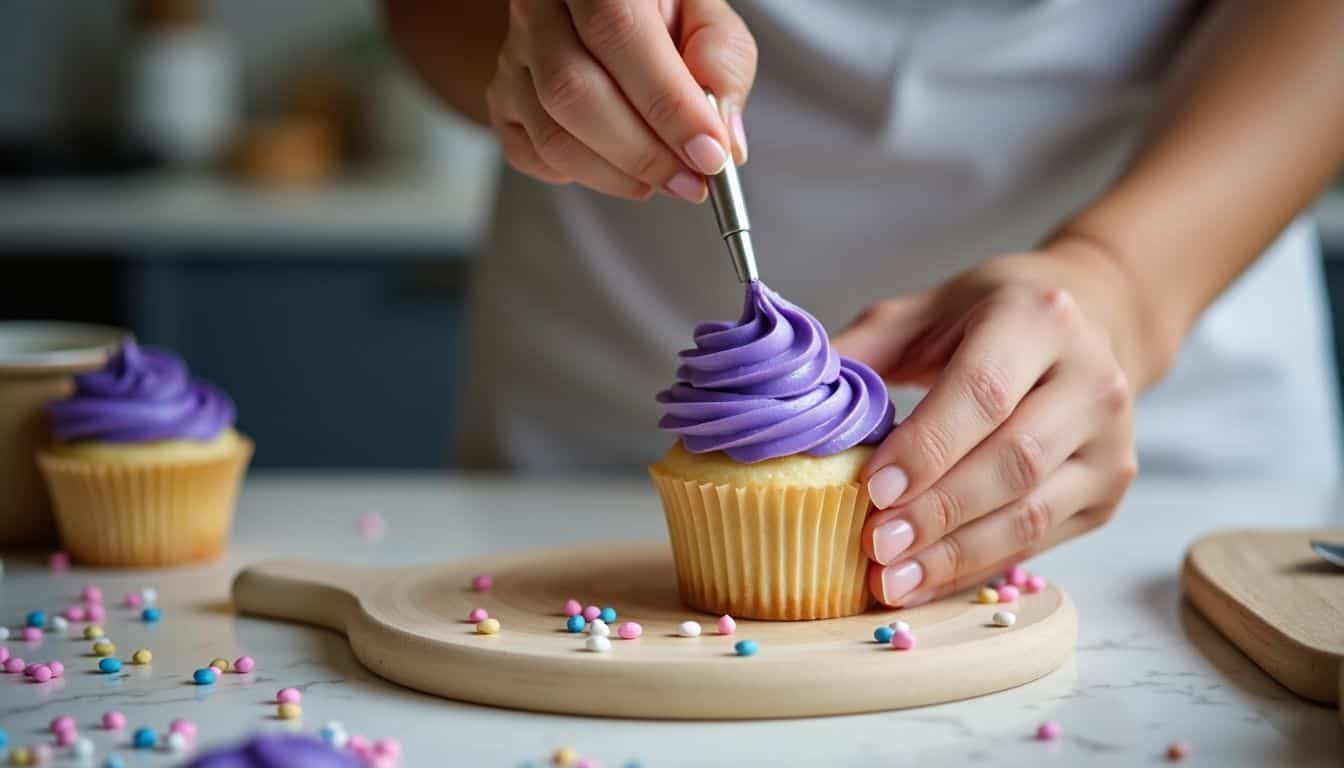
point(770, 385)
point(143, 394)
point(277, 751)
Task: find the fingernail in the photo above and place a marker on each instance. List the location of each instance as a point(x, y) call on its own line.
point(890, 539)
point(886, 486)
point(706, 154)
point(739, 132)
point(687, 186)
point(900, 580)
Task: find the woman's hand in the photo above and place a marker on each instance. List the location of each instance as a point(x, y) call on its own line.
point(609, 93)
point(1025, 438)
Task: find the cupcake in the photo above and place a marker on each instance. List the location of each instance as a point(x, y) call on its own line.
point(145, 466)
point(761, 490)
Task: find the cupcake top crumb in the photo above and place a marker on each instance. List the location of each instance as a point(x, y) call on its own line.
point(787, 471)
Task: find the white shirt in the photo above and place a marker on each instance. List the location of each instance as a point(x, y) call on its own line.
point(893, 145)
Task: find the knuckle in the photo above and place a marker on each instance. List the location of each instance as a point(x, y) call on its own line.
point(564, 88)
point(986, 387)
point(951, 559)
point(1023, 462)
point(608, 25)
point(1030, 522)
point(1115, 391)
point(944, 511)
point(1128, 469)
point(665, 106)
point(737, 56)
point(646, 164)
point(553, 142)
point(933, 447)
point(1059, 305)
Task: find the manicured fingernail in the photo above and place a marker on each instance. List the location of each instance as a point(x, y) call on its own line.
point(706, 154)
point(890, 539)
point(739, 133)
point(886, 486)
point(687, 186)
point(900, 580)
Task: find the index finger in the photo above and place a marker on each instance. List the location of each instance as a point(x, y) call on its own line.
point(632, 42)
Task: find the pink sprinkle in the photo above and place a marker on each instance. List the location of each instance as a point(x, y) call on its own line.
point(387, 748)
point(629, 630)
point(75, 613)
point(42, 754)
point(359, 745)
point(244, 664)
point(183, 726)
point(91, 594)
point(31, 634)
point(726, 625)
point(14, 665)
point(288, 696)
point(572, 607)
point(1035, 584)
point(62, 723)
point(114, 720)
point(56, 667)
point(903, 640)
point(477, 615)
point(4, 653)
point(1008, 594)
point(372, 525)
point(28, 670)
point(94, 611)
point(591, 612)
point(67, 737)
point(1048, 731)
point(131, 600)
point(1178, 751)
point(215, 672)
point(1016, 576)
point(482, 583)
point(59, 561)
point(585, 763)
point(382, 761)
point(41, 673)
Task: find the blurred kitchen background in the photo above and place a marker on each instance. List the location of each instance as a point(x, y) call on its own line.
point(264, 188)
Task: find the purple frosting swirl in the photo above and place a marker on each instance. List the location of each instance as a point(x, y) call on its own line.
point(770, 385)
point(282, 750)
point(142, 394)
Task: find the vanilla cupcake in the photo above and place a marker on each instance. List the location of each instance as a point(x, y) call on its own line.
point(761, 491)
point(145, 466)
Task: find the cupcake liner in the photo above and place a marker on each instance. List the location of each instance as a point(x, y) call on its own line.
point(763, 552)
point(144, 514)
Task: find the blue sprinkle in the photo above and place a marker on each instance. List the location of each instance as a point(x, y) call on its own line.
point(608, 614)
point(144, 738)
point(150, 614)
point(883, 634)
point(110, 665)
point(203, 676)
point(37, 619)
point(4, 738)
point(113, 762)
point(574, 624)
point(633, 764)
point(745, 647)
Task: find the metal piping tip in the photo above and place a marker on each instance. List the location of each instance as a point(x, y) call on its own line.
point(730, 210)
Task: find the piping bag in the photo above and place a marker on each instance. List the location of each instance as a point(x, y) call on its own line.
point(725, 194)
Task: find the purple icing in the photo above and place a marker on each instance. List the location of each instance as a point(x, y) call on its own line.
point(143, 394)
point(280, 750)
point(770, 385)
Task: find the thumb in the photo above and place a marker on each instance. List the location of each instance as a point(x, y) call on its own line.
point(720, 53)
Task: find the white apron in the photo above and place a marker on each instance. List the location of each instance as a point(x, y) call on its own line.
point(893, 145)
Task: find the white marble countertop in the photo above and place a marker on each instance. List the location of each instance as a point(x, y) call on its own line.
point(1147, 670)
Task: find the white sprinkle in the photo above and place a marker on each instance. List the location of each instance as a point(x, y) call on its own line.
point(4, 633)
point(599, 628)
point(83, 748)
point(899, 626)
point(597, 644)
point(59, 624)
point(689, 629)
point(176, 742)
point(334, 734)
point(149, 595)
point(1004, 618)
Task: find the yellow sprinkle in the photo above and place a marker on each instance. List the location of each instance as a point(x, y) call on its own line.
point(104, 648)
point(289, 711)
point(488, 627)
point(20, 756)
point(564, 756)
point(93, 632)
point(221, 664)
point(987, 595)
point(142, 656)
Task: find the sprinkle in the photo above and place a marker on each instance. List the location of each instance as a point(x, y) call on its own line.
point(478, 615)
point(20, 756)
point(93, 632)
point(1048, 731)
point(83, 748)
point(41, 673)
point(58, 561)
point(110, 665)
point(36, 619)
point(1008, 594)
point(150, 615)
point(4, 634)
point(592, 612)
point(30, 634)
point(574, 623)
point(91, 594)
point(586, 763)
point(56, 667)
point(175, 742)
point(883, 634)
point(4, 738)
point(131, 600)
point(183, 726)
point(149, 595)
point(745, 647)
point(14, 665)
point(244, 664)
point(629, 630)
point(608, 614)
point(104, 648)
point(114, 720)
point(564, 756)
point(143, 738)
point(221, 664)
point(41, 754)
point(204, 676)
point(289, 711)
point(28, 670)
point(726, 625)
point(359, 744)
point(62, 723)
point(142, 656)
point(1035, 584)
point(573, 607)
point(1178, 751)
point(488, 627)
point(903, 641)
point(899, 626)
point(599, 627)
point(94, 611)
point(1004, 618)
point(987, 595)
point(66, 737)
point(75, 613)
point(371, 525)
point(58, 624)
point(114, 762)
point(288, 696)
point(387, 748)
point(689, 629)
point(598, 643)
point(482, 582)
point(334, 734)
point(1016, 577)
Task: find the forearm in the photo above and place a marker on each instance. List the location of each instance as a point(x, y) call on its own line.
point(451, 45)
point(1249, 129)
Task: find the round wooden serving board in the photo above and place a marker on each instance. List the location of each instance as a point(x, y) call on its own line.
point(409, 626)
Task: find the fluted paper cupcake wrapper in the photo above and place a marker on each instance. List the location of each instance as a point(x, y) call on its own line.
point(144, 514)
point(767, 553)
